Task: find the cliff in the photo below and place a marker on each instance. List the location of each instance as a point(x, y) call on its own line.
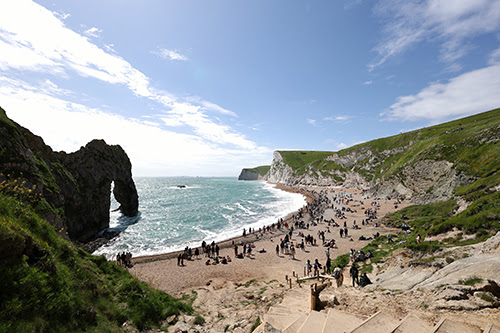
point(71, 191)
point(423, 166)
point(257, 173)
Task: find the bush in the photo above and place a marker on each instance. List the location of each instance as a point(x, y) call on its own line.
point(341, 261)
point(426, 247)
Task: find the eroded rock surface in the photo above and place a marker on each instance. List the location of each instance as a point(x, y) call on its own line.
point(74, 189)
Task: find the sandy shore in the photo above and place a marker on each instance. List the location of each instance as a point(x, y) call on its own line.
point(162, 271)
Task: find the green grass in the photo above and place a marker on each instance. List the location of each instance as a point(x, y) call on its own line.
point(49, 285)
point(261, 170)
point(341, 261)
point(255, 324)
point(298, 159)
point(469, 143)
point(470, 281)
point(486, 297)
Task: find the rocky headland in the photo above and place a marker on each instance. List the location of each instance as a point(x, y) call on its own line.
point(71, 191)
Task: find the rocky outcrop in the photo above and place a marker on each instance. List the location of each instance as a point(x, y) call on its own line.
point(94, 168)
point(72, 191)
point(422, 182)
point(247, 174)
point(280, 172)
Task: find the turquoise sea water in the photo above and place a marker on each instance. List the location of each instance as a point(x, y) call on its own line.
point(211, 209)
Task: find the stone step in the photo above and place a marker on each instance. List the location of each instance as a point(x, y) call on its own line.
point(281, 322)
point(297, 324)
point(380, 322)
point(412, 324)
point(314, 323)
point(339, 321)
point(285, 309)
point(491, 328)
point(446, 325)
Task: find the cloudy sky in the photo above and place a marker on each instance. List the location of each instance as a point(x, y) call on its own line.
point(206, 88)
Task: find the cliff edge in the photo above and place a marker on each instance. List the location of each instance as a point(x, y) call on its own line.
point(422, 166)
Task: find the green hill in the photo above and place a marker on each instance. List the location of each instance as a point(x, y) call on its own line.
point(50, 285)
point(469, 143)
point(261, 170)
point(47, 284)
point(440, 168)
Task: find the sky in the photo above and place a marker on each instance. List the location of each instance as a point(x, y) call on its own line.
point(206, 88)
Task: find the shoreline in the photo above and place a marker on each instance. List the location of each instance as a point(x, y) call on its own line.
point(265, 263)
point(227, 243)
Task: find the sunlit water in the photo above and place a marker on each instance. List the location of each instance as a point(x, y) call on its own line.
point(211, 209)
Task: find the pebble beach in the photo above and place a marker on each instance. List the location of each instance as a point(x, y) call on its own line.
point(163, 272)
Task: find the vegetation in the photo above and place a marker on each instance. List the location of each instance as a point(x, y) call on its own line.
point(255, 324)
point(261, 170)
point(470, 281)
point(48, 284)
point(469, 143)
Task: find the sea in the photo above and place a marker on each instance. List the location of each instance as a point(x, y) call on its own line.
point(175, 212)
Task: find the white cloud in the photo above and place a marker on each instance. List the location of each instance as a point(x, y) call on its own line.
point(466, 94)
point(61, 15)
point(453, 24)
point(494, 57)
point(341, 146)
point(192, 115)
point(93, 32)
point(338, 118)
point(170, 54)
point(49, 48)
point(367, 83)
point(311, 122)
point(67, 126)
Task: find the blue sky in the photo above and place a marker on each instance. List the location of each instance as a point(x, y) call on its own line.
point(206, 88)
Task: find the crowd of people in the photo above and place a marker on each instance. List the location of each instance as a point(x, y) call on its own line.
point(124, 259)
point(295, 235)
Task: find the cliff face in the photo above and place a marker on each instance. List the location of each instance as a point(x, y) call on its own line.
point(72, 191)
point(247, 174)
point(422, 166)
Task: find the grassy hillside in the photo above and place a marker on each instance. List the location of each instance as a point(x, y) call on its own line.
point(471, 144)
point(464, 142)
point(49, 285)
point(261, 170)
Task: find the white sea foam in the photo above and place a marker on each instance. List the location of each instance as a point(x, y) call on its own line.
point(217, 209)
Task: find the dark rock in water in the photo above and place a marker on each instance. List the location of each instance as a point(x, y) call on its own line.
point(181, 186)
point(75, 188)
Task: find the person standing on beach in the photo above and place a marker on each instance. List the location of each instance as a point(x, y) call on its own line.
point(354, 274)
point(277, 250)
point(341, 232)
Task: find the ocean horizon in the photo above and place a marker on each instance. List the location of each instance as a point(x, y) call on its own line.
point(175, 212)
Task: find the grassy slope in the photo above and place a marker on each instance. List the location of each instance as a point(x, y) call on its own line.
point(465, 148)
point(261, 170)
point(49, 285)
point(464, 142)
